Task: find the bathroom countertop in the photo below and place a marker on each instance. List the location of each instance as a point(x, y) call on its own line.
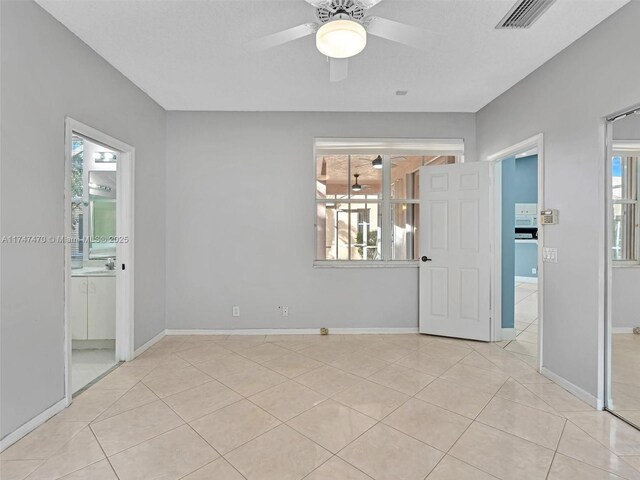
point(92, 272)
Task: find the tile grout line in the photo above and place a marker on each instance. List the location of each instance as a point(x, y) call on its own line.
point(103, 452)
point(335, 455)
point(143, 441)
point(469, 426)
point(214, 449)
point(591, 436)
point(92, 422)
point(553, 458)
point(557, 413)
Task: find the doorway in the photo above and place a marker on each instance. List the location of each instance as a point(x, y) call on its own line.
point(98, 255)
point(461, 268)
point(518, 238)
point(519, 257)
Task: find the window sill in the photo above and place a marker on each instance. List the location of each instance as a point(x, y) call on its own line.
point(365, 264)
point(624, 264)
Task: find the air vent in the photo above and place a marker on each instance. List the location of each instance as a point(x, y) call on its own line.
point(524, 13)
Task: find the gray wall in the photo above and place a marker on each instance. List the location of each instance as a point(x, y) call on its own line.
point(508, 266)
point(48, 73)
point(240, 222)
point(566, 100)
point(625, 310)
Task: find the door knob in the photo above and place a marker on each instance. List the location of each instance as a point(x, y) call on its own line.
point(425, 258)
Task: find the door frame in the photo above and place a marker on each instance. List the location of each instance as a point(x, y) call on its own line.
point(535, 142)
point(124, 251)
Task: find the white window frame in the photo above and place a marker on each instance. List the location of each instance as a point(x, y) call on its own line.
point(628, 148)
point(386, 148)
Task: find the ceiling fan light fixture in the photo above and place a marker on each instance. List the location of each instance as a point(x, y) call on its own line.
point(356, 187)
point(341, 38)
point(377, 162)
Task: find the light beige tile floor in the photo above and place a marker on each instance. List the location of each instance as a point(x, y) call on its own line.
point(88, 364)
point(351, 407)
point(525, 345)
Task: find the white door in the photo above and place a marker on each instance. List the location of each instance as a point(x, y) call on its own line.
point(455, 264)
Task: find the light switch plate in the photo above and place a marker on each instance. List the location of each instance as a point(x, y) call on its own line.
point(550, 255)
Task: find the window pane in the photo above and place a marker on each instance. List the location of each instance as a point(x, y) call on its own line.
point(624, 177)
point(348, 232)
point(624, 231)
point(366, 180)
point(616, 176)
point(405, 173)
point(405, 220)
point(332, 175)
point(332, 231)
point(365, 234)
point(77, 204)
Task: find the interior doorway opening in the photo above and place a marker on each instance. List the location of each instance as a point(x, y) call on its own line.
point(98, 255)
point(519, 258)
point(93, 259)
point(517, 294)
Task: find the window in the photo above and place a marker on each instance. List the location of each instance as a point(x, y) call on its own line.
point(367, 197)
point(624, 185)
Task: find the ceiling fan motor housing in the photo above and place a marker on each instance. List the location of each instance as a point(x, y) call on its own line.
point(340, 9)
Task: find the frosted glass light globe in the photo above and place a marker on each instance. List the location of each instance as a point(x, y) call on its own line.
point(341, 38)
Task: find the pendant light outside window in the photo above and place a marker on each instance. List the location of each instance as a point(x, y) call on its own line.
point(377, 162)
point(356, 187)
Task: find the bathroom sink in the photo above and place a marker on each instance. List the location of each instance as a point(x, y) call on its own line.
point(93, 272)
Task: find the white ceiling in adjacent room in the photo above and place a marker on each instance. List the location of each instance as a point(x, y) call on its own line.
point(191, 55)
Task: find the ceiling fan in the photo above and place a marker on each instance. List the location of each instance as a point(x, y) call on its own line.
point(341, 32)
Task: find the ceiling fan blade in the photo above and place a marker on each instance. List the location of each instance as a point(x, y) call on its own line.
point(319, 3)
point(400, 32)
point(338, 69)
point(280, 38)
point(366, 4)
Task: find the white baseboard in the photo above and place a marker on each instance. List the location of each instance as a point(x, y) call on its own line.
point(141, 349)
point(527, 279)
point(290, 331)
point(32, 424)
point(507, 334)
point(369, 331)
point(573, 389)
point(615, 330)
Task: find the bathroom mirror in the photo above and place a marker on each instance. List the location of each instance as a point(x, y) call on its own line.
point(102, 212)
point(623, 398)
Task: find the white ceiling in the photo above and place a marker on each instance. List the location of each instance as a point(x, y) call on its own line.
point(190, 55)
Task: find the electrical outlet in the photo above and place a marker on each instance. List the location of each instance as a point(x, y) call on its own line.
point(534, 270)
point(285, 311)
point(235, 311)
